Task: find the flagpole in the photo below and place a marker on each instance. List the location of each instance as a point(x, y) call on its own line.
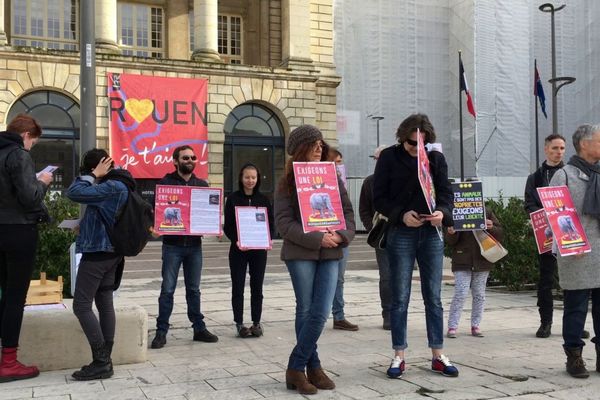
point(462, 162)
point(535, 102)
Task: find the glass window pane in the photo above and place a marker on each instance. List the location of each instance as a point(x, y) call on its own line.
point(17, 108)
point(60, 100)
point(252, 126)
point(35, 98)
point(51, 117)
point(75, 114)
point(242, 111)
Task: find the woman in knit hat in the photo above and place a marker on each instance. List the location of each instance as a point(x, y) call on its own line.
point(312, 260)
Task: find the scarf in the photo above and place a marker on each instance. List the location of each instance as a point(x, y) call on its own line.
point(591, 200)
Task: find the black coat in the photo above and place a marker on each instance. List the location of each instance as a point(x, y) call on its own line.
point(540, 178)
point(239, 198)
point(21, 194)
point(396, 188)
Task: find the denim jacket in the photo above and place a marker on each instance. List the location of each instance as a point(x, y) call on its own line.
point(105, 198)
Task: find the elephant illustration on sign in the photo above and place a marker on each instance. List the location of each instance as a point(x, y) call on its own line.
point(320, 203)
point(568, 229)
point(172, 216)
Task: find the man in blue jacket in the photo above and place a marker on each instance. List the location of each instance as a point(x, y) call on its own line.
point(178, 250)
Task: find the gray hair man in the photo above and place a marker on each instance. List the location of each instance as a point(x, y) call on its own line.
point(579, 275)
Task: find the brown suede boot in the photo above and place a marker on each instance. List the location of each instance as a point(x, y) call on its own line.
point(575, 364)
point(296, 380)
point(318, 378)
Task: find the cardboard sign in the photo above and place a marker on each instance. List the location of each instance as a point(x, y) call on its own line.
point(541, 231)
point(424, 174)
point(150, 116)
point(469, 208)
point(187, 210)
point(319, 196)
point(563, 219)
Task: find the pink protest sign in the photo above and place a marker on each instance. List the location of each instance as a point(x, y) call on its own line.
point(319, 196)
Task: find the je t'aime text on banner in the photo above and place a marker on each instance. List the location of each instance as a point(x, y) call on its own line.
point(150, 116)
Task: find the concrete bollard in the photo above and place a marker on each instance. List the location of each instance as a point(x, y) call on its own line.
point(53, 339)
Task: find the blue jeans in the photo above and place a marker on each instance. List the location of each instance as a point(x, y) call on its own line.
point(338, 300)
point(173, 257)
point(403, 246)
point(574, 314)
point(385, 294)
point(314, 286)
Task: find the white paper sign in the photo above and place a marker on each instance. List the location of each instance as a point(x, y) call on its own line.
point(50, 169)
point(253, 227)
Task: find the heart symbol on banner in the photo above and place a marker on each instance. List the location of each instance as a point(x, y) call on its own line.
point(139, 109)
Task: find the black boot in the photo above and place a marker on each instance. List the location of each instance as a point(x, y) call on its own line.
point(545, 330)
point(575, 364)
point(595, 340)
point(101, 366)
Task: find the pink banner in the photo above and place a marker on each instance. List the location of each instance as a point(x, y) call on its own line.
point(319, 196)
point(564, 221)
point(541, 231)
point(150, 116)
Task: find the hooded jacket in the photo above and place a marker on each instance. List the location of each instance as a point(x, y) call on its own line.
point(239, 198)
point(21, 194)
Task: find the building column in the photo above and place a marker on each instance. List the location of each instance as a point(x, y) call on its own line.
point(205, 31)
point(3, 40)
point(178, 34)
point(106, 27)
point(296, 32)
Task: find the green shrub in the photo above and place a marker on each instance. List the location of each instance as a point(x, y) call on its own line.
point(519, 267)
point(53, 245)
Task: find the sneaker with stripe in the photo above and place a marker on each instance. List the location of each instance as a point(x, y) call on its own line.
point(396, 368)
point(442, 365)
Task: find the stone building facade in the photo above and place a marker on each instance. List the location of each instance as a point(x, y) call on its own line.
point(282, 66)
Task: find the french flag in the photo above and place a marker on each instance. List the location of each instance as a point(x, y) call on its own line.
point(465, 87)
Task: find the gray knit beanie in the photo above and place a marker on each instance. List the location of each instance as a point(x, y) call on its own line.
point(303, 134)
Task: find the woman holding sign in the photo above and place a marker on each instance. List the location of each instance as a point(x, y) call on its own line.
point(414, 235)
point(312, 260)
point(241, 257)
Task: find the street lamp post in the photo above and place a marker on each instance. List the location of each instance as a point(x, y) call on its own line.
point(549, 8)
point(377, 119)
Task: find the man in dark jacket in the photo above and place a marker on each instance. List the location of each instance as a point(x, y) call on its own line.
point(554, 149)
point(178, 250)
point(366, 210)
point(21, 208)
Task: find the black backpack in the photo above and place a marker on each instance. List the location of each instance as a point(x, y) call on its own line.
point(131, 230)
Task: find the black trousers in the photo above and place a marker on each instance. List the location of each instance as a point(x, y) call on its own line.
point(18, 245)
point(239, 261)
point(546, 283)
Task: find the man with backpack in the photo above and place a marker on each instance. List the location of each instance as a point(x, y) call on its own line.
point(178, 250)
point(105, 191)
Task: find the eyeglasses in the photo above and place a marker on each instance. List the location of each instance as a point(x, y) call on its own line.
point(187, 158)
point(318, 145)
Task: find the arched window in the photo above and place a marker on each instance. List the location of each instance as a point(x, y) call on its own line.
point(58, 115)
point(253, 133)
